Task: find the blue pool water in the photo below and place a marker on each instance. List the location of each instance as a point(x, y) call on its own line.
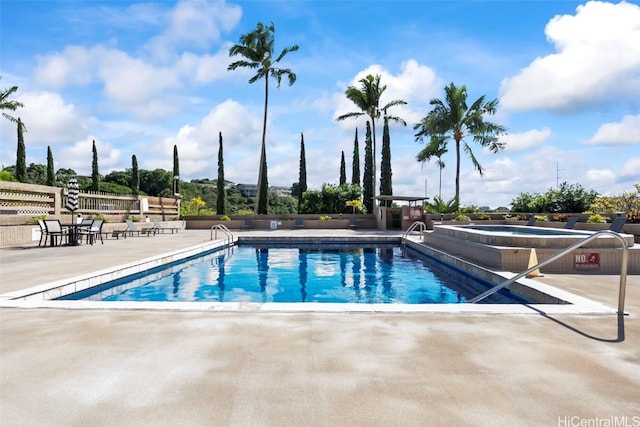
point(307, 273)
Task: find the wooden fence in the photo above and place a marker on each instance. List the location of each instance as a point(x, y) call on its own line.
point(18, 200)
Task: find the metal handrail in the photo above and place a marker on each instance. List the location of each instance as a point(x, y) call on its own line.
point(224, 229)
point(413, 226)
point(568, 249)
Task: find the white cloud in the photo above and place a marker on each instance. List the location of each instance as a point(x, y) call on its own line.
point(525, 140)
point(416, 84)
point(625, 132)
point(194, 23)
point(79, 156)
point(630, 170)
point(131, 84)
point(597, 59)
point(136, 86)
point(49, 120)
point(600, 175)
point(75, 65)
point(205, 68)
point(198, 145)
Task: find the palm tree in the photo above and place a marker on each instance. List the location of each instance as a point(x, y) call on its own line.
point(437, 147)
point(367, 99)
point(257, 47)
point(6, 104)
point(453, 119)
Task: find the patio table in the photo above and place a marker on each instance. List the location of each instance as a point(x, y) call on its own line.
point(73, 233)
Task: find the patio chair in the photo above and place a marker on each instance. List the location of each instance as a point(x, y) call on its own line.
point(161, 229)
point(353, 223)
point(299, 222)
point(571, 222)
point(532, 221)
point(618, 223)
point(94, 231)
point(248, 223)
point(55, 231)
point(43, 232)
point(132, 228)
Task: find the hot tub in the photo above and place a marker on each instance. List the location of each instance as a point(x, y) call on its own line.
point(526, 236)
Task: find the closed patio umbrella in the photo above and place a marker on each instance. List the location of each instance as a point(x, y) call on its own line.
point(72, 199)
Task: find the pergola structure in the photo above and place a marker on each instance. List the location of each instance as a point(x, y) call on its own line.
point(411, 199)
point(400, 218)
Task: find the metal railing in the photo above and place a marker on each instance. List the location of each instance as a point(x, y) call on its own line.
point(565, 251)
point(413, 226)
point(224, 229)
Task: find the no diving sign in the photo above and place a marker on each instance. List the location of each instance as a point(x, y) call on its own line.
point(586, 261)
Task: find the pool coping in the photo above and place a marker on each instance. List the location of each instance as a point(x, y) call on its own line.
point(41, 296)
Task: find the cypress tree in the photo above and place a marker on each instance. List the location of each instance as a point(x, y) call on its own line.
point(135, 176)
point(367, 179)
point(176, 171)
point(343, 170)
point(385, 164)
point(51, 174)
point(263, 184)
point(21, 155)
point(220, 187)
point(355, 171)
point(302, 177)
point(95, 177)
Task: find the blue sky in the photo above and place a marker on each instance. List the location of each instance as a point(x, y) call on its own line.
point(141, 77)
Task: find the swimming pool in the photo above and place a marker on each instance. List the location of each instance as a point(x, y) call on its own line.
point(325, 273)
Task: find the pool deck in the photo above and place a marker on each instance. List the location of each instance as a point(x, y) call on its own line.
point(140, 367)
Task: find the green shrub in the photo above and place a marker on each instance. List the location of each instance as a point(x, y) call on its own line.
point(34, 220)
point(225, 218)
point(325, 217)
point(597, 219)
point(541, 218)
point(461, 217)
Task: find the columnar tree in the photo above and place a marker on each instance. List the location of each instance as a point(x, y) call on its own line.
point(355, 165)
point(135, 176)
point(220, 184)
point(176, 171)
point(302, 175)
point(95, 176)
point(51, 174)
point(367, 179)
point(451, 118)
point(21, 154)
point(385, 164)
point(343, 169)
point(257, 47)
point(367, 99)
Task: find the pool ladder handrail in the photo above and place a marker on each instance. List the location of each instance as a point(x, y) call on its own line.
point(224, 229)
point(412, 227)
point(565, 251)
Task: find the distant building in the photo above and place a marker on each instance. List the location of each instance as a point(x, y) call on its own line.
point(250, 190)
point(247, 190)
point(280, 191)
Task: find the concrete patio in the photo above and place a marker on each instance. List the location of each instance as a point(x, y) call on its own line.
point(203, 368)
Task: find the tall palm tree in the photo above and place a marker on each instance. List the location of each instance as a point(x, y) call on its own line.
point(453, 119)
point(6, 104)
point(257, 47)
point(437, 147)
point(367, 99)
